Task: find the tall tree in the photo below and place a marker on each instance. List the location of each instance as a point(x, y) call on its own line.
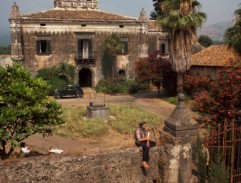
point(112, 46)
point(233, 34)
point(205, 40)
point(157, 12)
point(180, 20)
point(25, 108)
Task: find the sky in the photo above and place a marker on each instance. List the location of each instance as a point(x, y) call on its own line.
point(216, 10)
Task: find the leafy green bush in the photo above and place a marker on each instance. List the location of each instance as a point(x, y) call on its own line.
point(25, 108)
point(57, 77)
point(120, 85)
point(218, 172)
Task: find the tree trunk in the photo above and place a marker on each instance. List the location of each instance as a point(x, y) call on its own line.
point(179, 83)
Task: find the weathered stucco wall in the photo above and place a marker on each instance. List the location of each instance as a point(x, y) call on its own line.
point(116, 167)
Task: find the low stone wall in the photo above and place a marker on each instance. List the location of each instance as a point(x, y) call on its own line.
point(123, 166)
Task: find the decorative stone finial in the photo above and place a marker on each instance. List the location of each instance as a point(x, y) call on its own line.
point(15, 14)
point(142, 17)
point(181, 123)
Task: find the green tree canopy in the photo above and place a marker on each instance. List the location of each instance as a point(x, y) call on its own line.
point(233, 34)
point(157, 12)
point(205, 40)
point(25, 108)
point(180, 20)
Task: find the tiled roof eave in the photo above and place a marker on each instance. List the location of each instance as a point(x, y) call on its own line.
point(37, 20)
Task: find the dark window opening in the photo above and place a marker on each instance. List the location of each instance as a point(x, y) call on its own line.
point(121, 26)
point(43, 46)
point(163, 48)
point(43, 24)
point(83, 25)
point(122, 73)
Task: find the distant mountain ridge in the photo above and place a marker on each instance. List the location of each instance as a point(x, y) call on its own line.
point(5, 38)
point(215, 31)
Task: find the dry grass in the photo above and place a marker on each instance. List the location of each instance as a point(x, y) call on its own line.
point(127, 118)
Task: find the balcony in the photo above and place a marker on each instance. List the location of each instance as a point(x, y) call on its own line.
point(85, 58)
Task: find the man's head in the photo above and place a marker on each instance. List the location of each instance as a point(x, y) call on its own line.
point(142, 124)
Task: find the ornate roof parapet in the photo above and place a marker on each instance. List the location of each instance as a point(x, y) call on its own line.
point(77, 4)
point(142, 17)
point(15, 14)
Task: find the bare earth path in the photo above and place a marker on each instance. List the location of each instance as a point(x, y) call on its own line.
point(111, 142)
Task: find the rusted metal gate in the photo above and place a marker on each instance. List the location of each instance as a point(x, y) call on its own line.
point(227, 143)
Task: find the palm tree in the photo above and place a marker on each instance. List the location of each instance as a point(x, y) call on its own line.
point(180, 20)
point(233, 34)
point(113, 45)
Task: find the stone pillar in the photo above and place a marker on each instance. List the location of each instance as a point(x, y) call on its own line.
point(143, 47)
point(176, 151)
point(16, 35)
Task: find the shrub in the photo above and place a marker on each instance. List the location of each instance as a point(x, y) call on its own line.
point(222, 102)
point(194, 84)
point(57, 77)
point(157, 70)
point(218, 172)
point(25, 108)
point(120, 85)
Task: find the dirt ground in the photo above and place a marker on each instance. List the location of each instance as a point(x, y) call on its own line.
point(113, 141)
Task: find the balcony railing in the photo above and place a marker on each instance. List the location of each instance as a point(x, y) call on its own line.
point(85, 57)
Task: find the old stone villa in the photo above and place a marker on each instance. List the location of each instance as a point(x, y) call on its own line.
point(73, 32)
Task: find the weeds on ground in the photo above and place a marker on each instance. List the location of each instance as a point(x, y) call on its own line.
point(77, 125)
point(125, 122)
point(174, 100)
point(127, 118)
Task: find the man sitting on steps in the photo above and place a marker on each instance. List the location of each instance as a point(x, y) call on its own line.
point(143, 139)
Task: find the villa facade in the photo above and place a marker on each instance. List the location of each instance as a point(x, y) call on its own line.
point(73, 32)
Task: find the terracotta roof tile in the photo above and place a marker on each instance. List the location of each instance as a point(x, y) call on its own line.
point(153, 25)
point(215, 55)
point(76, 15)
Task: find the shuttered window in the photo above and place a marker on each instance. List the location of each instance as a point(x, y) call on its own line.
point(43, 46)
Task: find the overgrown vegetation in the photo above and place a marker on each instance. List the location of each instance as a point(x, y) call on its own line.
point(25, 108)
point(5, 50)
point(222, 102)
point(157, 70)
point(57, 77)
point(78, 125)
point(218, 172)
point(121, 85)
point(195, 84)
point(127, 118)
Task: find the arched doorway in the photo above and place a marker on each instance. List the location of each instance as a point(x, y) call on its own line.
point(85, 77)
